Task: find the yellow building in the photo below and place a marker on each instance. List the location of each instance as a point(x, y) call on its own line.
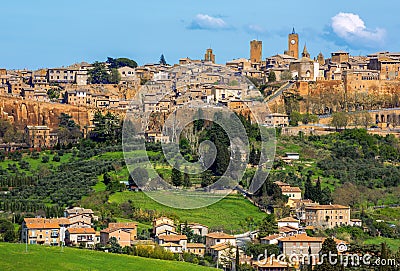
point(125, 233)
point(196, 248)
point(40, 137)
point(80, 236)
point(389, 68)
point(327, 216)
point(40, 231)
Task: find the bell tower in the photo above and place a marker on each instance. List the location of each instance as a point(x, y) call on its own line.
point(293, 41)
point(255, 51)
point(209, 56)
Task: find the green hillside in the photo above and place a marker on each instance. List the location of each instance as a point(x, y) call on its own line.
point(229, 214)
point(13, 257)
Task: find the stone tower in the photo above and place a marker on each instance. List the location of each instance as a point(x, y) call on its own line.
point(321, 59)
point(209, 56)
point(293, 41)
point(255, 51)
point(305, 53)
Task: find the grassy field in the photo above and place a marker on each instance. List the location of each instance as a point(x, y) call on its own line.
point(388, 214)
point(393, 244)
point(228, 214)
point(36, 163)
point(13, 257)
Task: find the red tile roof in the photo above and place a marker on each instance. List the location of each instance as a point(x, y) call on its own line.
point(220, 235)
point(81, 231)
point(172, 237)
point(327, 207)
point(195, 245)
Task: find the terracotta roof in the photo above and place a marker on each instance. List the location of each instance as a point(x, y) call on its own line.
point(221, 246)
point(172, 237)
point(288, 219)
point(271, 264)
point(302, 238)
point(287, 229)
point(62, 221)
point(355, 220)
point(81, 230)
point(195, 245)
point(44, 223)
point(80, 224)
point(47, 225)
point(327, 207)
point(271, 237)
point(291, 189)
point(34, 220)
point(220, 235)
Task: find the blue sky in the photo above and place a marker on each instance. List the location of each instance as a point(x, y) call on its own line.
point(40, 33)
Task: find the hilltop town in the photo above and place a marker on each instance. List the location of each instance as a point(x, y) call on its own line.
point(64, 180)
point(289, 82)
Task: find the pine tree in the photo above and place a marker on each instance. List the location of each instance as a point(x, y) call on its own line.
point(176, 176)
point(308, 188)
point(268, 226)
point(237, 262)
point(162, 60)
point(186, 179)
point(328, 248)
point(271, 77)
point(317, 195)
point(252, 156)
point(385, 254)
point(326, 196)
point(106, 178)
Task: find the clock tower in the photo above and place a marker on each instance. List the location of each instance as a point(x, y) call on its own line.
point(293, 48)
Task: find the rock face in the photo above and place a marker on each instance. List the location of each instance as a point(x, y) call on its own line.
point(27, 112)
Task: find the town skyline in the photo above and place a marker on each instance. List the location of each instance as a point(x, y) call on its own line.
point(88, 32)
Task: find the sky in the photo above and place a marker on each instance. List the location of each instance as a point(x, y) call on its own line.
point(38, 34)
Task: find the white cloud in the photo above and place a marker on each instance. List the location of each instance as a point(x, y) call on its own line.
point(352, 29)
point(255, 29)
point(204, 21)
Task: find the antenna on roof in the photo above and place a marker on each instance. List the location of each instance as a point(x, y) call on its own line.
point(293, 32)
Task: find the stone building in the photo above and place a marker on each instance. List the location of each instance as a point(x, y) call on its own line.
point(293, 45)
point(255, 51)
point(209, 56)
point(327, 216)
point(40, 137)
point(305, 68)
